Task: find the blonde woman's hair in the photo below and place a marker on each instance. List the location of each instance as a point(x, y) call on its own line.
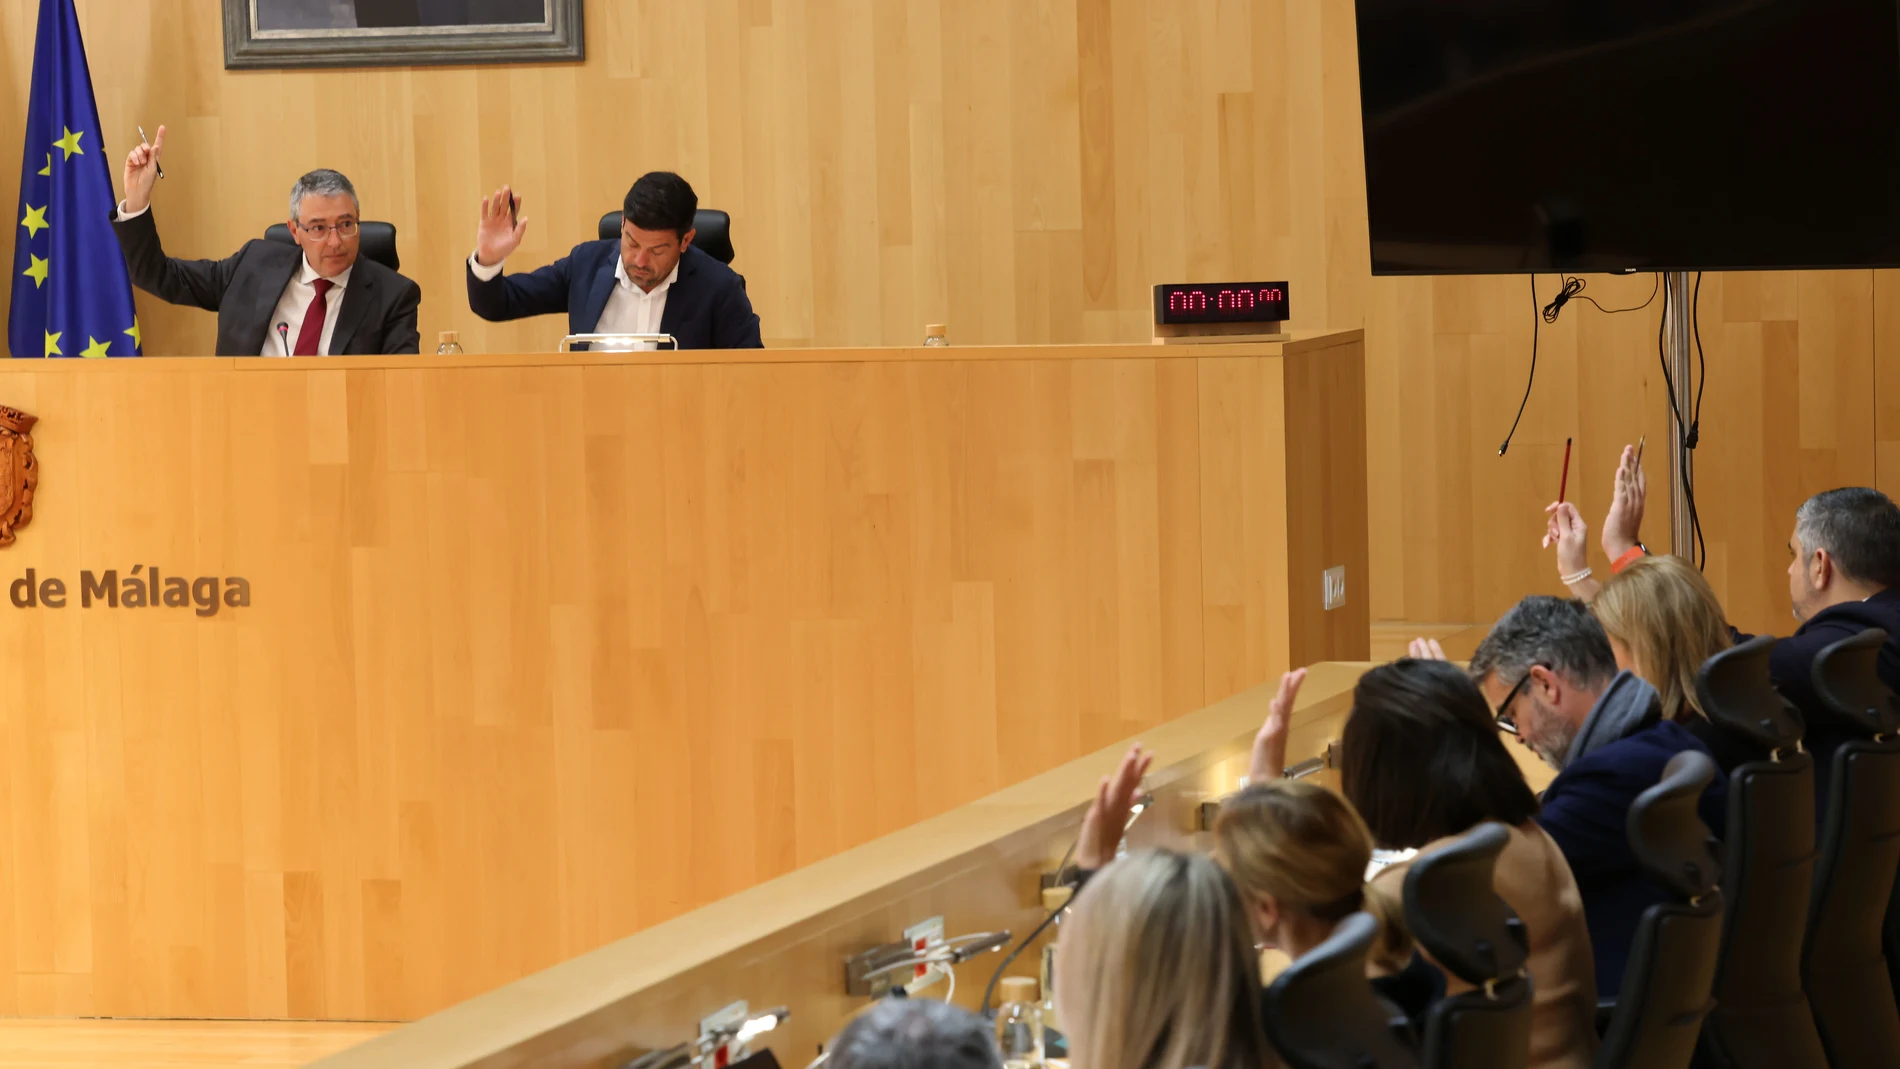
point(1668, 617)
point(1309, 849)
point(1160, 964)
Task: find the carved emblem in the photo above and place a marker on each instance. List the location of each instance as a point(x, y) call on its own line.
point(19, 472)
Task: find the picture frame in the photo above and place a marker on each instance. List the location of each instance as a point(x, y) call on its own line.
point(280, 34)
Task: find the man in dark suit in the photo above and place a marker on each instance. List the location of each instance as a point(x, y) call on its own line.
point(1549, 673)
point(274, 299)
point(651, 281)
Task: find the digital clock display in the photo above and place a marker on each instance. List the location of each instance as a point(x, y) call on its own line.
point(1221, 302)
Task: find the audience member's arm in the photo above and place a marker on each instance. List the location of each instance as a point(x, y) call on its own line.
point(1622, 525)
point(1108, 814)
point(1426, 649)
point(1269, 746)
point(1567, 531)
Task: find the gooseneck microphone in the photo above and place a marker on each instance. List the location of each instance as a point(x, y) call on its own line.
point(283, 335)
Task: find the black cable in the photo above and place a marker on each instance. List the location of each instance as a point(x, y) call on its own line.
point(1571, 289)
point(989, 991)
point(1695, 423)
point(1529, 382)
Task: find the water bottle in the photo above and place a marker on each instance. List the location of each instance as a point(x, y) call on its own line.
point(451, 344)
point(1019, 1024)
point(936, 334)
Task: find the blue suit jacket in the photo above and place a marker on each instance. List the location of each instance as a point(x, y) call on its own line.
point(706, 308)
point(1586, 810)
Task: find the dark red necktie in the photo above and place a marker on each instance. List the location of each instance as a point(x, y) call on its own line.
point(312, 331)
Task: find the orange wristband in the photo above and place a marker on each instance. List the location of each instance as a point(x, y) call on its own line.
point(1635, 552)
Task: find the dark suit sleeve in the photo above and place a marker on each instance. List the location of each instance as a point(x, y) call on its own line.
point(735, 325)
point(200, 283)
point(1589, 821)
point(537, 293)
point(399, 328)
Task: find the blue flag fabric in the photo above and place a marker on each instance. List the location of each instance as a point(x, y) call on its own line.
point(71, 293)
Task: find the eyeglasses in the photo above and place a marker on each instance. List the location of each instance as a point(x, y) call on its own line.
point(1507, 722)
point(345, 229)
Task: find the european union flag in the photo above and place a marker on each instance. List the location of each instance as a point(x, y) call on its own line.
point(71, 294)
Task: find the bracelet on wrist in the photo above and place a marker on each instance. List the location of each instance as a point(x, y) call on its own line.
point(1630, 556)
point(1575, 577)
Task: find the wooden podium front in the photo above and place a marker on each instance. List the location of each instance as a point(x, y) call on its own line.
point(457, 667)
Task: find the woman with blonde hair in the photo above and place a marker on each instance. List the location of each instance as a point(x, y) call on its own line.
point(1664, 621)
point(1156, 969)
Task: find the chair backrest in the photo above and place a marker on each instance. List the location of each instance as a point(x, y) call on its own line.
point(1321, 1013)
point(1671, 969)
point(377, 241)
point(712, 232)
point(1844, 967)
point(1453, 910)
point(1761, 1018)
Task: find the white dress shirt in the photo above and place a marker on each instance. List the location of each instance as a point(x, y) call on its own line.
point(292, 305)
point(629, 310)
point(295, 302)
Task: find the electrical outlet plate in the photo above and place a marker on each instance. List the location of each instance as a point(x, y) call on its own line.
point(857, 968)
point(922, 936)
point(1333, 581)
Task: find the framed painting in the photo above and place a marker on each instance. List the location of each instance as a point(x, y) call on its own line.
point(399, 33)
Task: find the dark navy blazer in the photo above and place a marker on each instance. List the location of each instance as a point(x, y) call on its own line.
point(706, 307)
point(1586, 810)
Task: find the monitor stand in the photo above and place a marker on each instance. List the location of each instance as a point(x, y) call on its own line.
point(1678, 356)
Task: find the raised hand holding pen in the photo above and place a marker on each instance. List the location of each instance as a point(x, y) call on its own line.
point(141, 173)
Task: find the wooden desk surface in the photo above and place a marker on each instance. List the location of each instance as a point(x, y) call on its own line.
point(783, 941)
point(1301, 341)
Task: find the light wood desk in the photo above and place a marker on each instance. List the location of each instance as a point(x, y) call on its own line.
point(785, 942)
point(544, 650)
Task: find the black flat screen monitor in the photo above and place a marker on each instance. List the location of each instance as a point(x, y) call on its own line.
point(1630, 135)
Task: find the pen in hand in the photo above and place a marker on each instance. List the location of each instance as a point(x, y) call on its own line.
point(155, 163)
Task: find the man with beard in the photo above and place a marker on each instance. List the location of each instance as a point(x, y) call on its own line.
point(1549, 673)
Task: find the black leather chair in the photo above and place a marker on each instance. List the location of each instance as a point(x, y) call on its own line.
point(1844, 967)
point(713, 232)
point(1321, 1013)
point(378, 241)
point(1761, 1018)
point(1455, 914)
point(1671, 970)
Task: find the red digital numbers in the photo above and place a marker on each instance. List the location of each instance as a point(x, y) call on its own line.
point(1241, 302)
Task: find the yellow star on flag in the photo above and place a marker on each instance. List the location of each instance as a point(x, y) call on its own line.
point(36, 270)
point(70, 144)
point(49, 166)
point(95, 348)
point(138, 336)
point(35, 221)
point(52, 344)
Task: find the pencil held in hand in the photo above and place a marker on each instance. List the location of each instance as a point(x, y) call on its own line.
point(143, 141)
point(1563, 481)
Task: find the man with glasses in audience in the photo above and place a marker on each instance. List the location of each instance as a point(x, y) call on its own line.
point(1551, 678)
point(313, 298)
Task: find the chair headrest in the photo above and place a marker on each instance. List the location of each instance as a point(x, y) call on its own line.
point(1321, 1011)
point(1847, 680)
point(1453, 909)
point(377, 241)
point(1739, 697)
point(1666, 833)
point(712, 232)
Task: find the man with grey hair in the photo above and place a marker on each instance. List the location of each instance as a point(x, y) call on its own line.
point(1551, 678)
point(272, 298)
point(902, 1033)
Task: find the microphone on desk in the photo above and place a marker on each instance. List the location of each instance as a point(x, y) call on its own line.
point(283, 335)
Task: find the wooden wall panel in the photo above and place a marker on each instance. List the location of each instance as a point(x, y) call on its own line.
point(544, 651)
point(1025, 172)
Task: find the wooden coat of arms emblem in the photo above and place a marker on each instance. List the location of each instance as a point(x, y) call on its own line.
point(19, 473)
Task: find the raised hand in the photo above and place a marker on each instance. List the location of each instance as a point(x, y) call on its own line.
point(1623, 524)
point(501, 229)
point(141, 173)
point(1108, 814)
point(1269, 746)
point(1426, 649)
point(1566, 530)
